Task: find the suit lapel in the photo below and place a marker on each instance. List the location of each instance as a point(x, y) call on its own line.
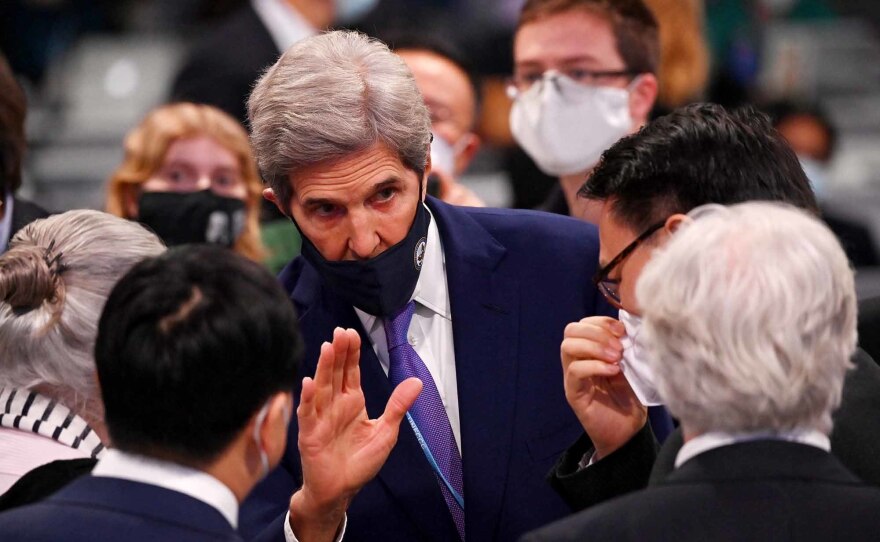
point(406, 475)
point(485, 307)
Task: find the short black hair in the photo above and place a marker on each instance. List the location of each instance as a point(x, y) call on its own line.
point(697, 154)
point(443, 47)
point(190, 345)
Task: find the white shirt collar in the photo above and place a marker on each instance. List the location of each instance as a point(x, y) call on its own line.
point(192, 482)
point(431, 290)
point(285, 24)
point(717, 439)
point(6, 222)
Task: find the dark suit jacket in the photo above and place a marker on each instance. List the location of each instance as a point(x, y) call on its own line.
point(855, 439)
point(45, 480)
point(23, 213)
point(516, 278)
point(223, 66)
point(98, 509)
point(761, 490)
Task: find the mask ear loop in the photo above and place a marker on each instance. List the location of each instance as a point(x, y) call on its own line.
point(264, 457)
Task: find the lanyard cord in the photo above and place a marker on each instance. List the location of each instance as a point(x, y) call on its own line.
point(458, 498)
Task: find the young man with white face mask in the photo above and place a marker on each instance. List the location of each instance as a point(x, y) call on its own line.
point(584, 76)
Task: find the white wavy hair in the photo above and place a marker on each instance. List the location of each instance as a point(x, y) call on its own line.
point(750, 318)
point(330, 96)
point(54, 281)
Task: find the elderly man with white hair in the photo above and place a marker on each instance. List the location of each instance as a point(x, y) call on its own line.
point(749, 316)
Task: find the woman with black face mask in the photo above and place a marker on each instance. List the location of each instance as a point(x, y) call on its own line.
point(188, 174)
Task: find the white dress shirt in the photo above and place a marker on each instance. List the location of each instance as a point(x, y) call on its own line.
point(717, 439)
point(284, 23)
point(192, 482)
point(430, 332)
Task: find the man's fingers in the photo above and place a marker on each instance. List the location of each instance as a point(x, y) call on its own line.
point(574, 348)
point(583, 370)
point(305, 413)
point(324, 376)
point(402, 399)
point(352, 377)
point(340, 351)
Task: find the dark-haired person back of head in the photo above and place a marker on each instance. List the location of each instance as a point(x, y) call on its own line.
point(196, 354)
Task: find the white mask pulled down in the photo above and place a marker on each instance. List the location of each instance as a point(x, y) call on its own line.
point(443, 155)
point(566, 126)
point(634, 363)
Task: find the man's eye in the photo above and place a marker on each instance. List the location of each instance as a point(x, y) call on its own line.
point(385, 194)
point(325, 210)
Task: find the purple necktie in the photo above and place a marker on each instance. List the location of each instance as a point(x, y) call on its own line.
point(427, 412)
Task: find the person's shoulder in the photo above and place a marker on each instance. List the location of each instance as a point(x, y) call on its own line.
point(533, 226)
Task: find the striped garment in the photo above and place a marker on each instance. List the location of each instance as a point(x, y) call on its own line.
point(29, 411)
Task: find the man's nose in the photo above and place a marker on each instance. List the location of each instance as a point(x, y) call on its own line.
point(363, 240)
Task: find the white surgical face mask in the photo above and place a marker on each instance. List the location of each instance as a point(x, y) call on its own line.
point(634, 364)
point(261, 417)
point(817, 174)
point(351, 11)
point(444, 154)
point(565, 126)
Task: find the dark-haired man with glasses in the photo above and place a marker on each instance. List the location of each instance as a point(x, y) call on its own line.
point(584, 76)
point(645, 184)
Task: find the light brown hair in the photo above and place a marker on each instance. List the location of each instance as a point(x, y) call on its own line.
point(147, 144)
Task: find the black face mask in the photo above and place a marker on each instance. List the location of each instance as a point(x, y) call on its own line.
point(192, 217)
point(380, 285)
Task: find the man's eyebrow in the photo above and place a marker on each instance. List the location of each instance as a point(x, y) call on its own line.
point(387, 183)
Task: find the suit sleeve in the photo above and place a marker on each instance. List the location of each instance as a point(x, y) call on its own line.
point(622, 472)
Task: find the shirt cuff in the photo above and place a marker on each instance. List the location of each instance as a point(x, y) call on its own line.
point(290, 537)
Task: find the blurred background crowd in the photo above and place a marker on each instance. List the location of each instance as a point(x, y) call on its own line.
point(92, 70)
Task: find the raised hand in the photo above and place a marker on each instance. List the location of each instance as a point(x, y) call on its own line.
point(340, 447)
point(595, 387)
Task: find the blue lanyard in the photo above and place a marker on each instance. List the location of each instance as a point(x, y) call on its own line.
point(458, 498)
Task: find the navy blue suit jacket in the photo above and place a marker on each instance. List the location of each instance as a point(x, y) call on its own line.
point(515, 278)
point(99, 508)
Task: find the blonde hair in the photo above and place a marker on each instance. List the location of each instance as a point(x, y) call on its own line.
point(147, 144)
point(54, 281)
point(684, 55)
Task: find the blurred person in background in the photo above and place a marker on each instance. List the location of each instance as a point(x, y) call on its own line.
point(14, 212)
point(750, 345)
point(54, 281)
point(196, 353)
point(189, 175)
point(451, 92)
point(813, 137)
point(584, 76)
point(684, 53)
point(694, 156)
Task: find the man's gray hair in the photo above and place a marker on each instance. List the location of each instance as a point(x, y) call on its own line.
point(54, 281)
point(330, 96)
point(750, 316)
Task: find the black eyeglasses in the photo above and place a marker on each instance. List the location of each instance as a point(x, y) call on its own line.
point(610, 288)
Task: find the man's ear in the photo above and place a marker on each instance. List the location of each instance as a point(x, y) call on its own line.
point(269, 194)
point(467, 152)
point(273, 431)
point(641, 99)
point(676, 221)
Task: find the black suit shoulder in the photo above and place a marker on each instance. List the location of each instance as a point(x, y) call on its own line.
point(23, 213)
point(223, 67)
point(752, 491)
